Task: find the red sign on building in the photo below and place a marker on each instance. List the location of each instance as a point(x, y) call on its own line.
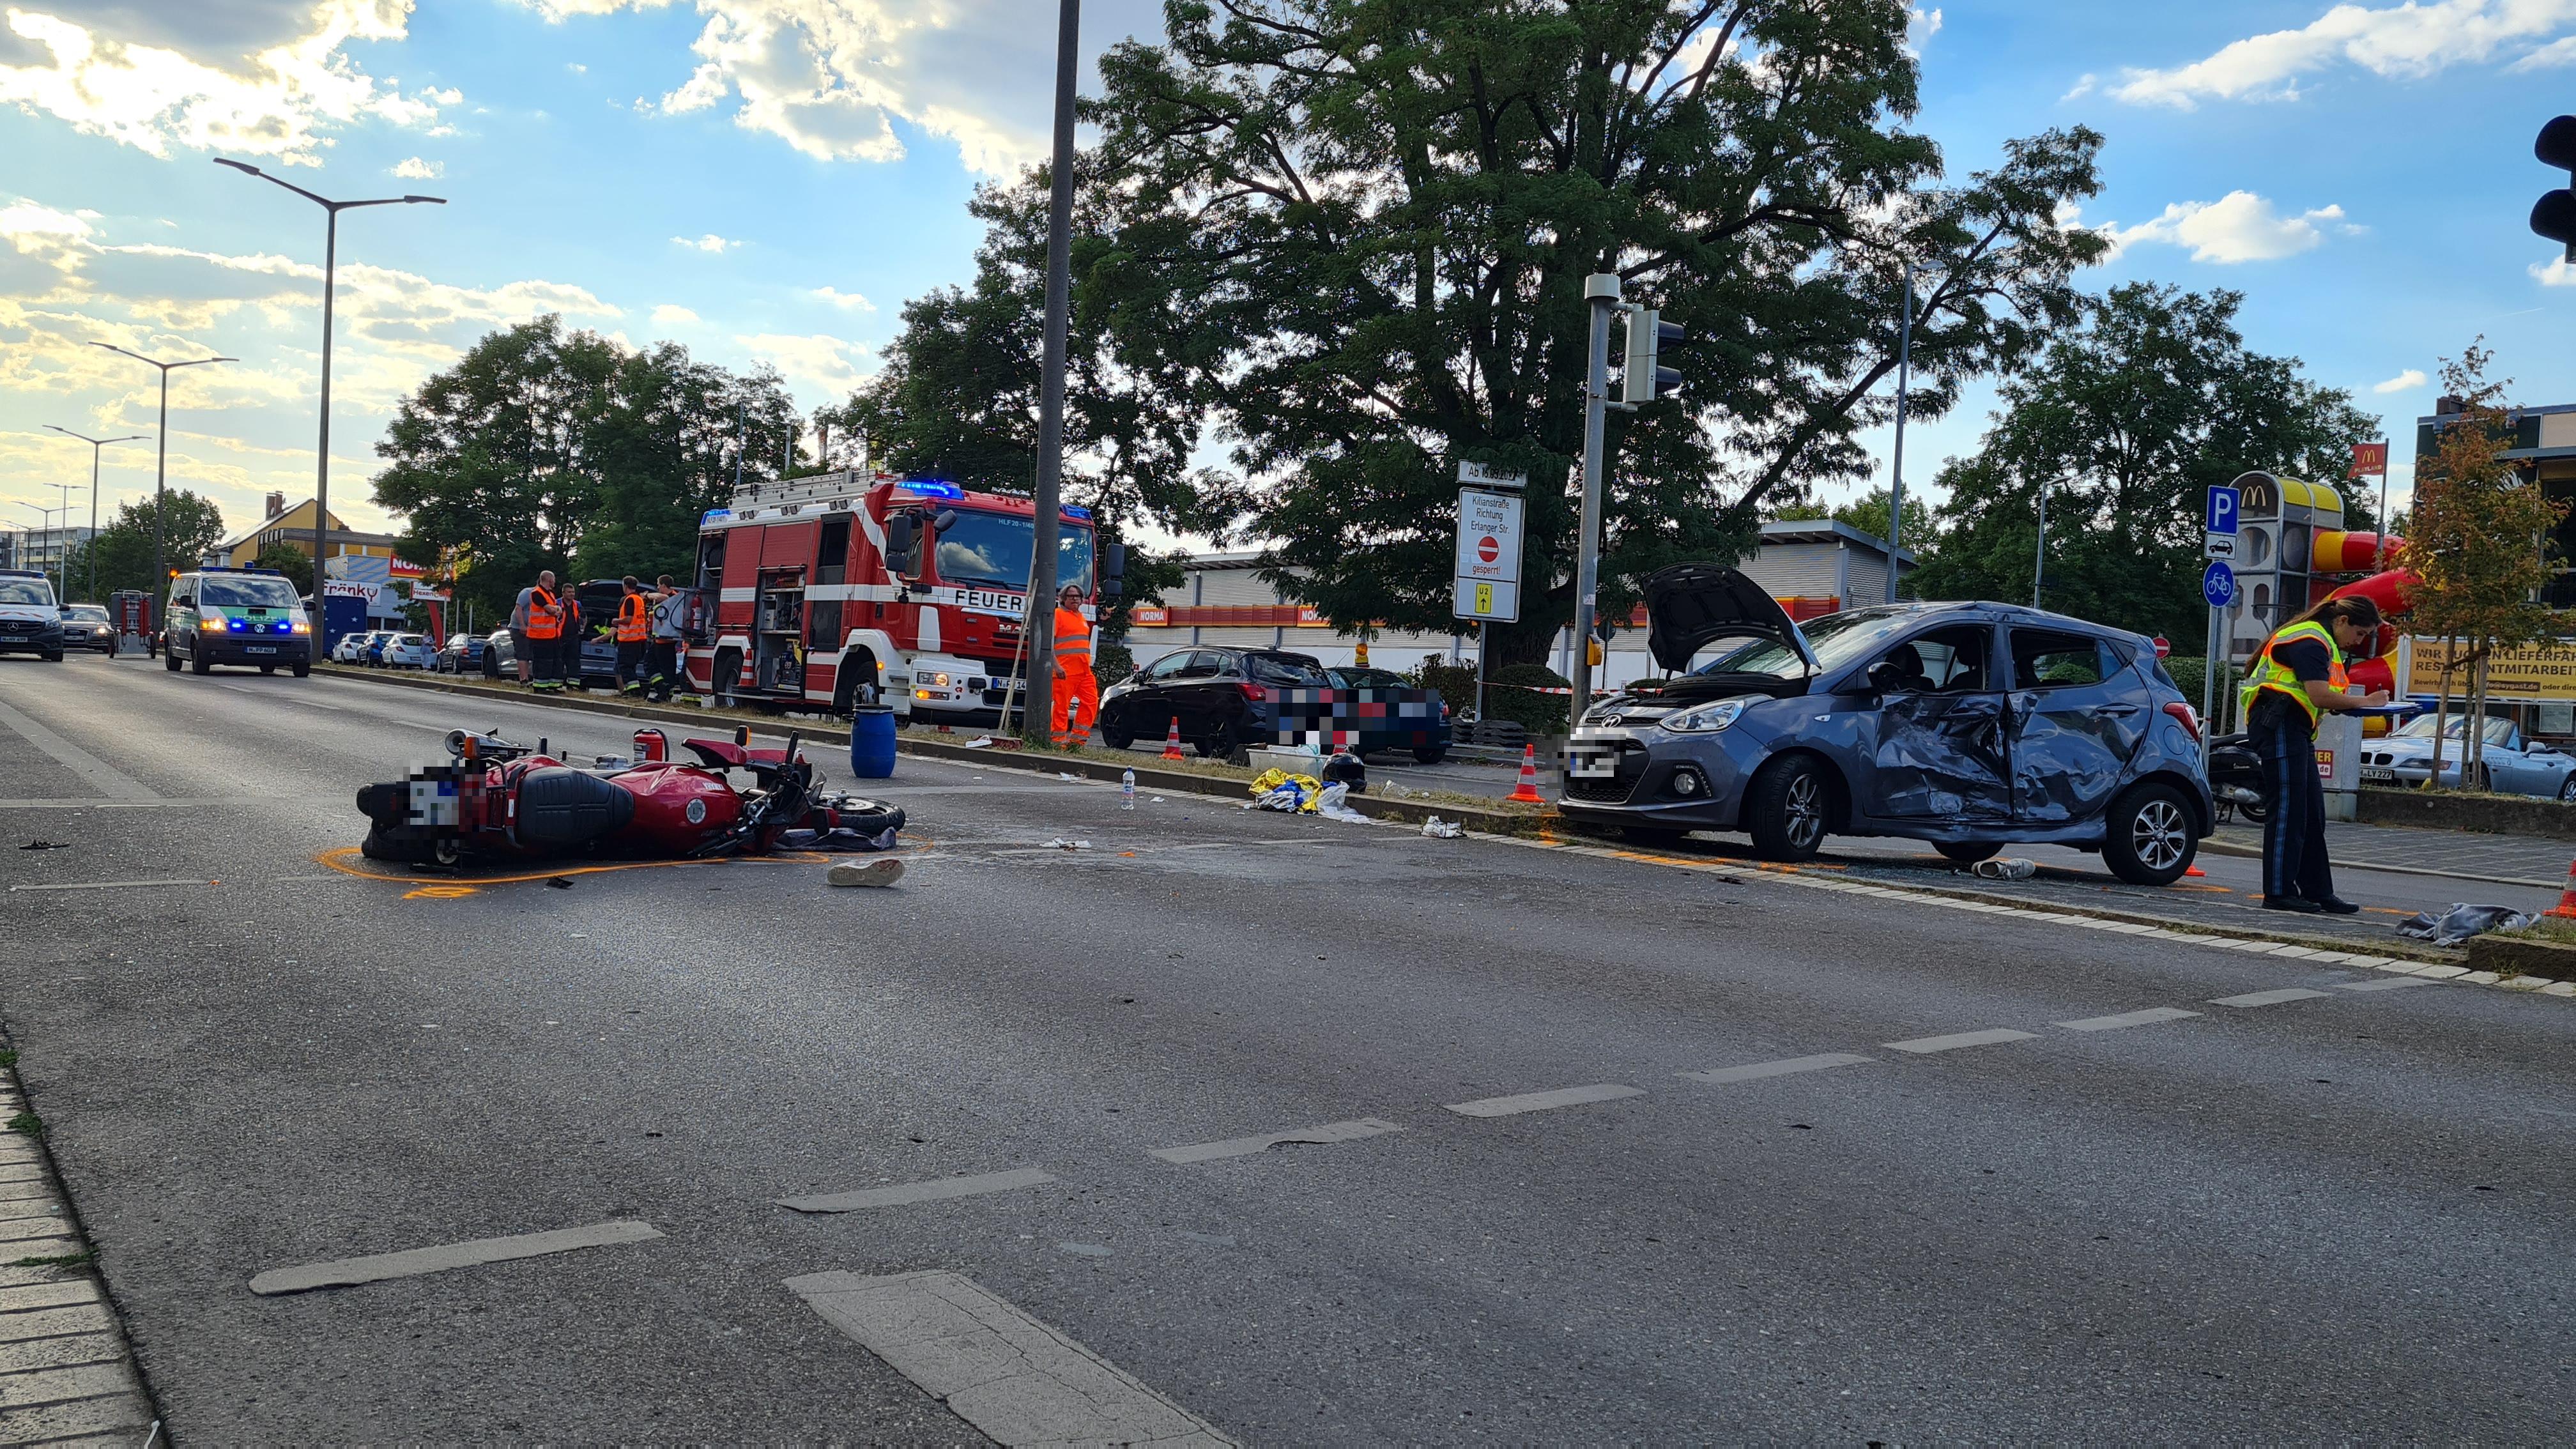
point(2369, 460)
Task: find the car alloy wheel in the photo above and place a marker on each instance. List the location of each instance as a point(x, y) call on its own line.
point(2159, 835)
point(1805, 811)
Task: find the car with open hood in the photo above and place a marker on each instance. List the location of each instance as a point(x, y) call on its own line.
point(1971, 726)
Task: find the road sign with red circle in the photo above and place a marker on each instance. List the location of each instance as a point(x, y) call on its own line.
point(1488, 549)
point(2164, 648)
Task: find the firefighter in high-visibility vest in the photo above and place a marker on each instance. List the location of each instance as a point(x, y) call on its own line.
point(542, 620)
point(2293, 680)
point(1077, 690)
point(634, 623)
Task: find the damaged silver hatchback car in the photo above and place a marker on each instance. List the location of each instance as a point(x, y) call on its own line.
point(1971, 726)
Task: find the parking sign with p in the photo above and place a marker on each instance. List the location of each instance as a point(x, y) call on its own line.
point(2222, 511)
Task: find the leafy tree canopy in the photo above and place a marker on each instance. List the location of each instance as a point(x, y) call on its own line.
point(2126, 423)
point(123, 548)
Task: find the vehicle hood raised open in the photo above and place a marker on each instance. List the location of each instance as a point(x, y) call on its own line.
point(1690, 606)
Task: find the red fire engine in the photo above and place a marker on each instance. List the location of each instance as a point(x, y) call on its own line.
point(854, 588)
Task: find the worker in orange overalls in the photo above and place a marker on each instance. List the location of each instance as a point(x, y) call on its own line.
point(1077, 691)
point(634, 621)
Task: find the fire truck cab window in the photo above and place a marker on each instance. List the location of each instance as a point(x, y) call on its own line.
point(993, 549)
point(832, 553)
point(711, 551)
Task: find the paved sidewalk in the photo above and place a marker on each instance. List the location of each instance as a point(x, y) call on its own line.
point(2530, 860)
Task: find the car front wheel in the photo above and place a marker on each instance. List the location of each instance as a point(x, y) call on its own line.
point(1787, 807)
point(2149, 840)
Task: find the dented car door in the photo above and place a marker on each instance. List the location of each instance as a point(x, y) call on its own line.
point(2078, 712)
point(1939, 752)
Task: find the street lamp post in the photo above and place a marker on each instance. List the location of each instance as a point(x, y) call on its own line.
point(48, 515)
point(330, 268)
point(161, 469)
point(89, 550)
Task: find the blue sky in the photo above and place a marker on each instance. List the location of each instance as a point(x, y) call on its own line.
point(768, 180)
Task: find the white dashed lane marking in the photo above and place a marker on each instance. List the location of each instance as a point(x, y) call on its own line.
point(1756, 1071)
point(2148, 1017)
point(936, 1190)
point(1304, 1136)
point(1545, 1101)
point(1926, 1045)
point(2269, 998)
point(346, 1272)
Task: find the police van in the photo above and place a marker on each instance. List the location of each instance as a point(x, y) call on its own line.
point(236, 616)
point(31, 620)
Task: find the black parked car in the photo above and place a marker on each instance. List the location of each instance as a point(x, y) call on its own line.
point(1224, 698)
point(461, 654)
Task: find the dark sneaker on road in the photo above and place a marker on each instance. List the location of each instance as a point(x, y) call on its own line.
point(2300, 904)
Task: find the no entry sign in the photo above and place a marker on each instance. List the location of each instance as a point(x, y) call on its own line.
point(1488, 574)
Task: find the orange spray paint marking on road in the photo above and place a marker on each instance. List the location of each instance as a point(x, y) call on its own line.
point(343, 860)
point(441, 892)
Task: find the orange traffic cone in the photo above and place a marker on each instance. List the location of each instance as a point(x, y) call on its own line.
point(1172, 741)
point(2566, 907)
point(1526, 792)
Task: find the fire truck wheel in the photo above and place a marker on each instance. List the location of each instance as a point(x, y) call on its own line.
point(728, 674)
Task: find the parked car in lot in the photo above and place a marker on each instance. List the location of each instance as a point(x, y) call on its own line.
point(351, 647)
point(461, 654)
point(1968, 725)
point(86, 626)
point(1382, 711)
point(1222, 697)
point(408, 651)
point(2509, 763)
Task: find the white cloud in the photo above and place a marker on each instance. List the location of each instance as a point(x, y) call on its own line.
point(846, 301)
point(832, 78)
point(576, 67)
point(817, 359)
point(2406, 41)
point(672, 315)
point(708, 243)
point(2555, 272)
point(412, 168)
point(2238, 227)
point(2406, 381)
point(2084, 86)
point(1920, 26)
point(2561, 51)
point(261, 77)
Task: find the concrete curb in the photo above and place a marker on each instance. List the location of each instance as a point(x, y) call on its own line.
point(2214, 846)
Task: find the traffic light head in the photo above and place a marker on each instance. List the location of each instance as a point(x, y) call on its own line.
point(1645, 381)
point(2554, 215)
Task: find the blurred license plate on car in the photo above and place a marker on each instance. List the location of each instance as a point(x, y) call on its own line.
point(2379, 774)
point(1590, 765)
point(260, 649)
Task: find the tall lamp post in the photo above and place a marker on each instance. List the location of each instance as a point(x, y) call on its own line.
point(48, 514)
point(89, 549)
point(161, 469)
point(330, 268)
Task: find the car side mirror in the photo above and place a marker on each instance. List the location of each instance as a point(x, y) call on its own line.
point(1888, 677)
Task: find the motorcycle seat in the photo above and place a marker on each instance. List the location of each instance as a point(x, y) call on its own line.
point(559, 805)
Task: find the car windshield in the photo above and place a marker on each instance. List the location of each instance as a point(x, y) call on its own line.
point(993, 549)
point(1838, 639)
point(25, 591)
point(86, 613)
point(1368, 679)
point(1293, 670)
point(245, 591)
point(2497, 732)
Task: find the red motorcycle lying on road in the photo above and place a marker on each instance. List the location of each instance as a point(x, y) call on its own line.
point(499, 800)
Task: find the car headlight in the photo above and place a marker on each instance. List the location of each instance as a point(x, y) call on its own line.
point(302, 627)
point(1707, 719)
point(210, 626)
point(939, 679)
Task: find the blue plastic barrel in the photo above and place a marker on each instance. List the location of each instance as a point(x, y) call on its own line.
point(872, 742)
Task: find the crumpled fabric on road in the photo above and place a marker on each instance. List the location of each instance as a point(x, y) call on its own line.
point(2462, 921)
point(1281, 791)
point(1333, 804)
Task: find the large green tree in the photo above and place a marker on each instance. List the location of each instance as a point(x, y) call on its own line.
point(123, 548)
point(1359, 230)
point(2127, 422)
point(542, 449)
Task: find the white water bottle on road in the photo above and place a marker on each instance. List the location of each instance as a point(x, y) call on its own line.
point(1126, 789)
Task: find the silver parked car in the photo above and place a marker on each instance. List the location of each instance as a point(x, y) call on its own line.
point(1968, 725)
point(2508, 763)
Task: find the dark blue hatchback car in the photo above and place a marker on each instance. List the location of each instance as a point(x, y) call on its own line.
point(1968, 725)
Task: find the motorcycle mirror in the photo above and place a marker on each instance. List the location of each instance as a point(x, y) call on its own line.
point(456, 743)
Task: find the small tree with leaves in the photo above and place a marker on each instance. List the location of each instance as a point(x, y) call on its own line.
point(2478, 545)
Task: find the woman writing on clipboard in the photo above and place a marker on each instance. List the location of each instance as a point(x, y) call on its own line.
point(2296, 677)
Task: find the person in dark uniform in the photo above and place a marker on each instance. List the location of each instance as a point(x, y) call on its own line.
point(2296, 677)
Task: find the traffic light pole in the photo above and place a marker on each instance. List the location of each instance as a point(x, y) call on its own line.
point(1601, 295)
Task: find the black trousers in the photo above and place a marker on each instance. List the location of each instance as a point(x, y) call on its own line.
point(2294, 839)
point(630, 663)
point(549, 661)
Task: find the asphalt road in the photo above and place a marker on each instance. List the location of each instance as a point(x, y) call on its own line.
point(2339, 1216)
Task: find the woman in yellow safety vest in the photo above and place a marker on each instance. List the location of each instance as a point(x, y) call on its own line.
point(2296, 677)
